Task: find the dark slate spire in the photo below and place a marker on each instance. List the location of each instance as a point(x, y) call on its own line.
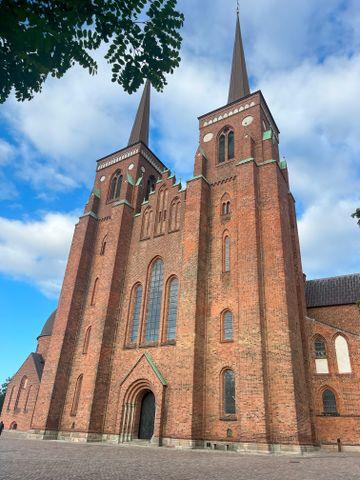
point(140, 130)
point(239, 82)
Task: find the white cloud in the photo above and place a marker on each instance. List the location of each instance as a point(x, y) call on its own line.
point(330, 239)
point(36, 250)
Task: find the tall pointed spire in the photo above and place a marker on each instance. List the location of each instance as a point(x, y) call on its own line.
point(239, 82)
point(140, 130)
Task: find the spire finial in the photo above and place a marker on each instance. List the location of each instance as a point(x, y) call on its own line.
point(237, 8)
point(140, 130)
point(239, 82)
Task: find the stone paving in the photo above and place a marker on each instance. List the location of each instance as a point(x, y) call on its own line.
point(22, 459)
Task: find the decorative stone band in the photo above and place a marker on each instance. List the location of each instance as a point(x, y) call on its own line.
point(130, 153)
point(230, 113)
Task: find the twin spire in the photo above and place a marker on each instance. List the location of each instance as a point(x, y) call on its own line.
point(239, 88)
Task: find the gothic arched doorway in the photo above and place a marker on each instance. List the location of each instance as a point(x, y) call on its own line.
point(147, 416)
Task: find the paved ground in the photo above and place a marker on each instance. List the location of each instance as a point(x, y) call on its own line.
point(22, 459)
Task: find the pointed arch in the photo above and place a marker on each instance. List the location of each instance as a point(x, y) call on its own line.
point(225, 205)
point(135, 312)
point(154, 301)
point(320, 353)
point(150, 187)
point(147, 222)
point(226, 144)
point(175, 213)
point(86, 340)
point(76, 396)
point(161, 211)
point(342, 354)
point(22, 387)
point(94, 292)
point(226, 252)
point(103, 245)
point(10, 398)
point(329, 402)
point(172, 296)
point(115, 186)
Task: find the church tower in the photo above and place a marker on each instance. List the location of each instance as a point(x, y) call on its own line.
point(181, 316)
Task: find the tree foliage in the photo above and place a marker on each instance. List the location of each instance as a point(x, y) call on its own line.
point(356, 214)
point(47, 37)
point(3, 389)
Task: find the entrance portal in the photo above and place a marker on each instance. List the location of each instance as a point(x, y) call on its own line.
point(147, 416)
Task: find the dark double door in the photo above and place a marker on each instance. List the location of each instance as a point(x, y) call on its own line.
point(147, 416)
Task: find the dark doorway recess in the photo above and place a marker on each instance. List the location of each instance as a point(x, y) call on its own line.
point(147, 416)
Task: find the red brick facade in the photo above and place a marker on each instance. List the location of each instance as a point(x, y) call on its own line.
point(197, 295)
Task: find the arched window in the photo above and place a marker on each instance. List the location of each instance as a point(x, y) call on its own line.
point(10, 398)
point(321, 362)
point(225, 204)
point(86, 340)
point(329, 403)
point(175, 212)
point(76, 397)
point(93, 296)
point(229, 392)
point(22, 387)
point(161, 211)
point(342, 354)
point(27, 398)
point(226, 254)
point(227, 326)
point(226, 145)
point(172, 305)
point(135, 312)
point(222, 141)
point(231, 145)
point(153, 310)
point(103, 246)
point(150, 187)
point(115, 186)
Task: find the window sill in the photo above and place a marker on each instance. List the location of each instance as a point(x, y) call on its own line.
point(228, 418)
point(149, 345)
point(226, 341)
point(144, 238)
point(130, 346)
point(330, 415)
point(168, 343)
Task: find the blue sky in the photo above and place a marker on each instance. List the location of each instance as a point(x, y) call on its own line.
point(305, 57)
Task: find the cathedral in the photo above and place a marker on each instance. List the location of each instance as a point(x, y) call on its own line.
point(185, 319)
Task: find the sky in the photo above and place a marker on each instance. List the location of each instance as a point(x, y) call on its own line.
point(304, 56)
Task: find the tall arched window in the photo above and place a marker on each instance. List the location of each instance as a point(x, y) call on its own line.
point(135, 312)
point(227, 326)
point(150, 186)
point(93, 295)
point(225, 204)
point(321, 362)
point(329, 403)
point(153, 309)
point(342, 354)
point(103, 246)
point(226, 145)
point(115, 186)
point(10, 398)
point(229, 392)
point(226, 254)
point(86, 340)
point(222, 141)
point(231, 146)
point(172, 306)
point(76, 397)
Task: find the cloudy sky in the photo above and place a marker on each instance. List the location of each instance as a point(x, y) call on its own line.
point(304, 56)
